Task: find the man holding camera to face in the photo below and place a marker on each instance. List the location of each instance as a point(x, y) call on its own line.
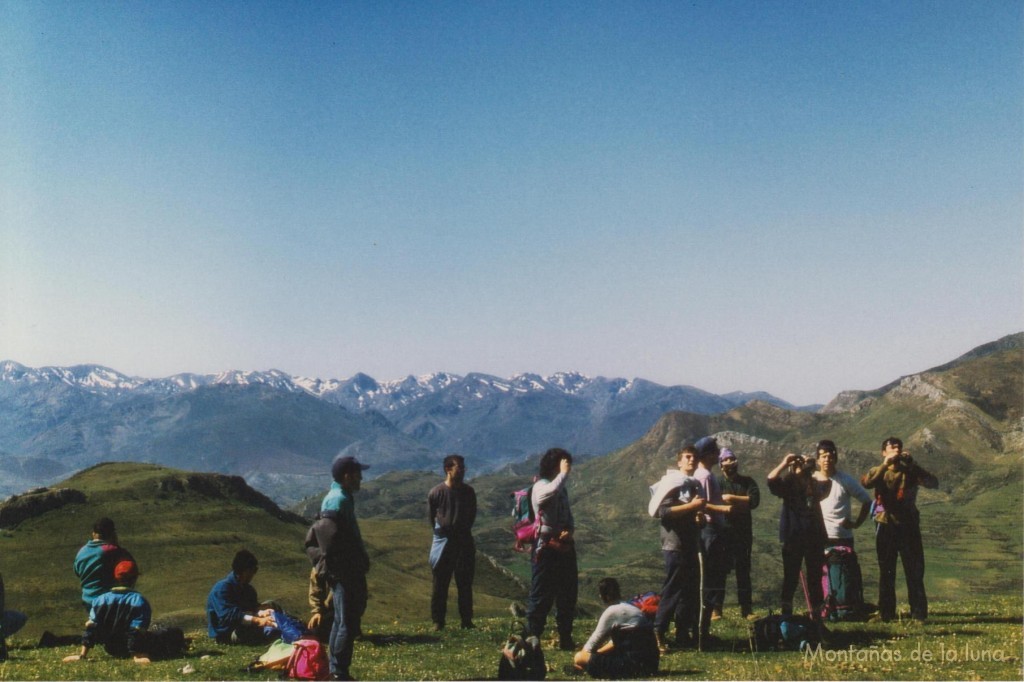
point(898, 527)
point(801, 528)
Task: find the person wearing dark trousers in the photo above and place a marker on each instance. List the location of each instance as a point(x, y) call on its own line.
point(119, 619)
point(898, 527)
point(335, 547)
point(555, 576)
point(677, 501)
point(234, 614)
point(743, 496)
point(10, 622)
point(451, 509)
point(713, 540)
point(622, 645)
point(801, 529)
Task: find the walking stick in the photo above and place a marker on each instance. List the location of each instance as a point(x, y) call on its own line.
point(700, 622)
point(807, 594)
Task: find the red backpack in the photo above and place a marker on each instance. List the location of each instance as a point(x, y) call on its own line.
point(647, 603)
point(308, 661)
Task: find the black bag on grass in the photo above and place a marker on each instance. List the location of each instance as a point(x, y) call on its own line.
point(784, 633)
point(522, 659)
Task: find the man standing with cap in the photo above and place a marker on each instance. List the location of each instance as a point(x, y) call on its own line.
point(742, 495)
point(335, 547)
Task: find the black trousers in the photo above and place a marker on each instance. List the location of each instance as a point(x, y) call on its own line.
point(739, 549)
point(812, 556)
point(902, 540)
point(634, 654)
point(458, 559)
point(715, 572)
point(555, 583)
point(680, 595)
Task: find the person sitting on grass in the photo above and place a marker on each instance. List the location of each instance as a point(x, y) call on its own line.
point(95, 561)
point(233, 612)
point(623, 644)
point(10, 622)
point(119, 620)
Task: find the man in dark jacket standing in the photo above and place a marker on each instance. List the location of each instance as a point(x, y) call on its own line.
point(451, 509)
point(742, 495)
point(335, 547)
point(801, 528)
point(898, 530)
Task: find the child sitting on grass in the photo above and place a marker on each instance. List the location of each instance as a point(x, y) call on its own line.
point(119, 620)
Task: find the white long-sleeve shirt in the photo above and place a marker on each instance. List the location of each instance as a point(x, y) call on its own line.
point(551, 500)
point(621, 616)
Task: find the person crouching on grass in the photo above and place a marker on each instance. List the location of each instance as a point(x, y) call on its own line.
point(119, 620)
point(623, 644)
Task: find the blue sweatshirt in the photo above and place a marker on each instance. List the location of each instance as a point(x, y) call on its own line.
point(227, 605)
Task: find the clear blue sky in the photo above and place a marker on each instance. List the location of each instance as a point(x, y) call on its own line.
point(794, 197)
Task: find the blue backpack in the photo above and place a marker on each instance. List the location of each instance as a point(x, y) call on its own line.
point(784, 633)
point(842, 585)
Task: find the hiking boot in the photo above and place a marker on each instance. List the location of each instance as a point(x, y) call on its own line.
point(716, 614)
point(468, 625)
point(751, 617)
point(662, 644)
point(438, 627)
point(566, 644)
point(685, 642)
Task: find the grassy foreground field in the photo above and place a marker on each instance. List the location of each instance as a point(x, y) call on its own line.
point(964, 640)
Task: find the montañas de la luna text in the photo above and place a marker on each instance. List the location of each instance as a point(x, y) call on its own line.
point(875, 654)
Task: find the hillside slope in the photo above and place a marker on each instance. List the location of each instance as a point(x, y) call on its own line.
point(962, 421)
point(183, 528)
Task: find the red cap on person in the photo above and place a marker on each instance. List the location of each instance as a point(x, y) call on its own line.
point(126, 571)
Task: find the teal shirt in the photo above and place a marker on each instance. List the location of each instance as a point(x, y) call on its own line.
point(338, 500)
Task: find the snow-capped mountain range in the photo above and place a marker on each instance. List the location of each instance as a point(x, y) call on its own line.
point(262, 423)
point(359, 392)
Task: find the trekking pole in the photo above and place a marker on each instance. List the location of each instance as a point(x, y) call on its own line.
point(700, 622)
point(807, 594)
point(751, 637)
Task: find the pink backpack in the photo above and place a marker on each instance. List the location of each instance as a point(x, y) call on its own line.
point(308, 661)
point(525, 523)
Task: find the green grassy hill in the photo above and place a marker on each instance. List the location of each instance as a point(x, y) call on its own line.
point(961, 421)
point(184, 528)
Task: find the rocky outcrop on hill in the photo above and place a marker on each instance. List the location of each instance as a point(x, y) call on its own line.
point(18, 508)
point(223, 487)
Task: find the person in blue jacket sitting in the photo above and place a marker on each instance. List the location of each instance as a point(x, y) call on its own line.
point(233, 611)
point(120, 620)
